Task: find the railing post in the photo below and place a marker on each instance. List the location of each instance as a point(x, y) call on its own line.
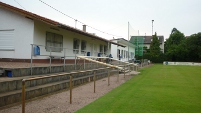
point(75, 62)
point(94, 81)
point(23, 96)
point(50, 59)
point(64, 59)
point(108, 76)
point(118, 76)
point(31, 57)
point(71, 85)
point(84, 63)
point(124, 70)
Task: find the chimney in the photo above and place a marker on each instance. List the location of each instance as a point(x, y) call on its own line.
point(84, 28)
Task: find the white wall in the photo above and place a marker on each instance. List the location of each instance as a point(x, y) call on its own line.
point(23, 34)
point(131, 49)
point(114, 51)
point(40, 30)
point(27, 32)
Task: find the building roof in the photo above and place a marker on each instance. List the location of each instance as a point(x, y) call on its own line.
point(51, 22)
point(123, 41)
point(148, 39)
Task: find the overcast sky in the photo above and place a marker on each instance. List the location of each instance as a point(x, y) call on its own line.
point(112, 16)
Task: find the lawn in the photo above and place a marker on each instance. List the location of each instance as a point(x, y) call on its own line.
point(158, 89)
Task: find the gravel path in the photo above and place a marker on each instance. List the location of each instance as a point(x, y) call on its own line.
point(60, 103)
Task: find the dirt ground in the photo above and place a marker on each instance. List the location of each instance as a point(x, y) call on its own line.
point(82, 95)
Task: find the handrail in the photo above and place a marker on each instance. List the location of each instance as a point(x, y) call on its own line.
point(112, 59)
point(56, 75)
point(124, 62)
point(109, 65)
point(62, 74)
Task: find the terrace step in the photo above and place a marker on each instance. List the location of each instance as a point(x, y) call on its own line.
point(15, 83)
point(14, 96)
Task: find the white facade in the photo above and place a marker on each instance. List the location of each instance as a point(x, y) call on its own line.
point(25, 31)
point(40, 30)
point(123, 56)
point(22, 35)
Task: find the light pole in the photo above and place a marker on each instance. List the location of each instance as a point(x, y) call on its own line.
point(152, 26)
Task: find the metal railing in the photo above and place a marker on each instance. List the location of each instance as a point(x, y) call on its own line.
point(62, 55)
point(135, 66)
point(62, 74)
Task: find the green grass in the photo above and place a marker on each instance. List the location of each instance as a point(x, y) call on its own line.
point(158, 89)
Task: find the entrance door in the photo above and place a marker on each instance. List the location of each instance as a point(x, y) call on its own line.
point(119, 55)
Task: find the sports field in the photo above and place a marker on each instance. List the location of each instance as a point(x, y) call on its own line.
point(157, 89)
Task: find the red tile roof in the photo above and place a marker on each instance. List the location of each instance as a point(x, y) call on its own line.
point(52, 22)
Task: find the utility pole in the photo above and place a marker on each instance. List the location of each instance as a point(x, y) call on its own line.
point(128, 41)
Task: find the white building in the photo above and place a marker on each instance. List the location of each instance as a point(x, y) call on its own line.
point(123, 53)
point(19, 29)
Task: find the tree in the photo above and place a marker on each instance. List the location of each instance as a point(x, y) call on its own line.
point(171, 44)
point(155, 46)
point(155, 51)
point(193, 47)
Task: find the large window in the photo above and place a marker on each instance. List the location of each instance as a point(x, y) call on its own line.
point(83, 46)
point(122, 53)
point(105, 49)
point(76, 43)
point(54, 42)
point(101, 49)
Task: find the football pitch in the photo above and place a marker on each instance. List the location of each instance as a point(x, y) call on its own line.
point(157, 89)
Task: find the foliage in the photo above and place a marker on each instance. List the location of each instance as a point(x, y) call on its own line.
point(179, 48)
point(155, 46)
point(171, 44)
point(158, 89)
point(155, 54)
point(193, 48)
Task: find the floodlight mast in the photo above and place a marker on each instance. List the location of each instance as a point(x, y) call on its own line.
point(152, 26)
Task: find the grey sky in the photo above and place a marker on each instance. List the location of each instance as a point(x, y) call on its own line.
point(112, 16)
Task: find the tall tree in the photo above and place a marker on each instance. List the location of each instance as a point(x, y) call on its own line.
point(155, 50)
point(193, 47)
point(171, 44)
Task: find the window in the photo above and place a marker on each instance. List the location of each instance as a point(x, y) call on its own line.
point(54, 42)
point(101, 49)
point(83, 47)
point(76, 43)
point(118, 53)
point(105, 50)
point(122, 53)
point(7, 39)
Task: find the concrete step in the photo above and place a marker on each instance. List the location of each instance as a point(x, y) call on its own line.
point(11, 97)
point(10, 84)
